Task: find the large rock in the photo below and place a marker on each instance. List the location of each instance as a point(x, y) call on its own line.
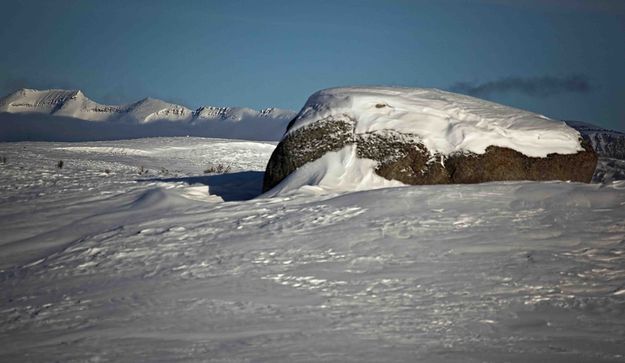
point(431, 137)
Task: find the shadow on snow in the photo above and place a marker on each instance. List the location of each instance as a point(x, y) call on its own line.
point(240, 186)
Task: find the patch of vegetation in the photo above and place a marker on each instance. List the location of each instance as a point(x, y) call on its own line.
point(217, 169)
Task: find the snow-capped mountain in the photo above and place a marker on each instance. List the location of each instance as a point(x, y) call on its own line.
point(74, 103)
point(69, 115)
point(607, 143)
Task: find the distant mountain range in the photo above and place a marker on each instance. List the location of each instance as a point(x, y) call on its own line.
point(74, 103)
point(607, 143)
point(69, 115)
point(23, 115)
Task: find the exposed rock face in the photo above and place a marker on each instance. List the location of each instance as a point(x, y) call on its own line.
point(304, 145)
point(402, 157)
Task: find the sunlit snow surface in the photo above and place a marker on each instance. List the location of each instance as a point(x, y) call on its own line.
point(444, 122)
point(99, 263)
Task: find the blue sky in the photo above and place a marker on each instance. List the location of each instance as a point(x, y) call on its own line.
point(562, 58)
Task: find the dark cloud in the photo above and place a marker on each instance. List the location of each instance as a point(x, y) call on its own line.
point(532, 86)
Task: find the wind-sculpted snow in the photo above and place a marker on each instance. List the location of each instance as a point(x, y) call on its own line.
point(335, 171)
point(444, 122)
point(117, 266)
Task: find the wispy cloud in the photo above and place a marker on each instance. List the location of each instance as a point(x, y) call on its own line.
point(530, 86)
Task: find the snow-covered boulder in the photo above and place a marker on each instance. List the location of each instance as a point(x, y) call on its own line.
point(422, 136)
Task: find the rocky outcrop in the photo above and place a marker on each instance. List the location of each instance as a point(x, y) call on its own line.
point(402, 157)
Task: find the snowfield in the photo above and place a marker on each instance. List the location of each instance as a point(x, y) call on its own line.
point(131, 252)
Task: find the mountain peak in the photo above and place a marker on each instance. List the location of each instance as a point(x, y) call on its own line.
point(39, 101)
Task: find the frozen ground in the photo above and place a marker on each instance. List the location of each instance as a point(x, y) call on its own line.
point(99, 263)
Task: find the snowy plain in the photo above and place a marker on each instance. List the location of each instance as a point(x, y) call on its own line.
point(131, 253)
